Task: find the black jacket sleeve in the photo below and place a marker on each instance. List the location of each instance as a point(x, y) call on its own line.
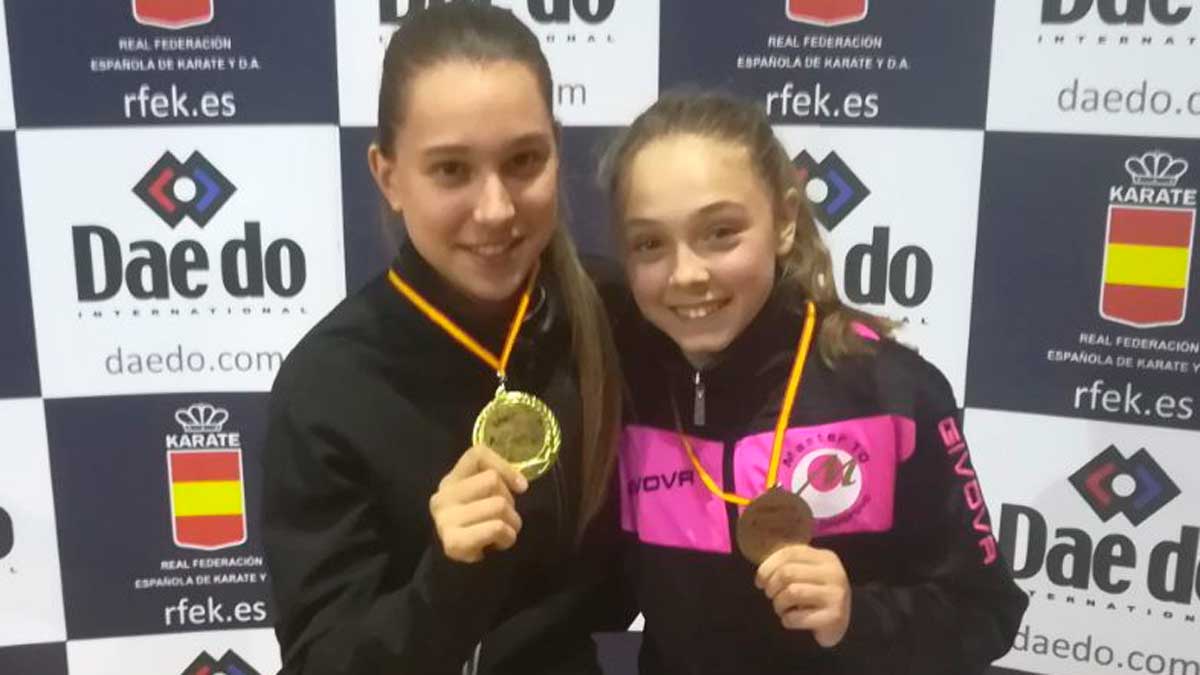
point(958, 608)
point(343, 607)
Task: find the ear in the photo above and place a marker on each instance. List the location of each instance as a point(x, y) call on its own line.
point(383, 170)
point(792, 202)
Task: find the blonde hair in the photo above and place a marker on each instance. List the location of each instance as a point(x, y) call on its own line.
point(485, 34)
point(806, 270)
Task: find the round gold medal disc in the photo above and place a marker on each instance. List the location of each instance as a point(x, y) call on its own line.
point(520, 428)
point(775, 519)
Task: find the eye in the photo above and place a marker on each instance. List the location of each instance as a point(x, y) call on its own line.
point(644, 245)
point(723, 231)
point(527, 163)
point(450, 171)
point(722, 234)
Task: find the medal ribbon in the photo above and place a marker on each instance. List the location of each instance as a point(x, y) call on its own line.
point(785, 414)
point(497, 363)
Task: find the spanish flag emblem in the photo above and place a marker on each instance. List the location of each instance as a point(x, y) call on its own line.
point(1147, 261)
point(208, 504)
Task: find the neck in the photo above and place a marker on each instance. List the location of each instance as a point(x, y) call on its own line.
point(698, 360)
point(479, 310)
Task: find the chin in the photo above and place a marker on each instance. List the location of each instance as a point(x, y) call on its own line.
point(707, 344)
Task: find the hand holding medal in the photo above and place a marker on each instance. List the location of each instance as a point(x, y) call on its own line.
point(807, 586)
point(474, 509)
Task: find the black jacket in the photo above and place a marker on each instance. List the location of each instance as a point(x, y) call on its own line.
point(368, 413)
point(930, 594)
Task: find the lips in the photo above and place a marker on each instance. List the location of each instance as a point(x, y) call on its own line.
point(491, 250)
point(698, 310)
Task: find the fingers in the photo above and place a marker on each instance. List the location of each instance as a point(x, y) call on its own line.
point(794, 558)
point(478, 511)
point(479, 459)
point(808, 619)
point(467, 544)
point(801, 596)
point(809, 590)
point(473, 509)
point(482, 485)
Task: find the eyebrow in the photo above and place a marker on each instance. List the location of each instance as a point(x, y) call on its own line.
point(462, 149)
point(706, 210)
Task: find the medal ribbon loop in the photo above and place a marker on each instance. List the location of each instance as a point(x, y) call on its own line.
point(497, 363)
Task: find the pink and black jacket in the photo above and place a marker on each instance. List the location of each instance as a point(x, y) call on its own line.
point(877, 448)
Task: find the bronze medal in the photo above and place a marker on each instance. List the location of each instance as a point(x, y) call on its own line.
point(775, 519)
point(520, 428)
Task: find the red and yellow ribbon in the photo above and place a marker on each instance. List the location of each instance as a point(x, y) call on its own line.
point(497, 363)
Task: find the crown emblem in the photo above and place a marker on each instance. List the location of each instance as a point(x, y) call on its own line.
point(1156, 169)
point(202, 418)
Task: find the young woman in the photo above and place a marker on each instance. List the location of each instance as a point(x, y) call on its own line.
point(871, 551)
point(396, 543)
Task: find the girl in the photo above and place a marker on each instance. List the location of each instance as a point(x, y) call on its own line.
point(748, 377)
point(395, 544)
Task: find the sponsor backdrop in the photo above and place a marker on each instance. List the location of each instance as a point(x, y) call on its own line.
point(183, 193)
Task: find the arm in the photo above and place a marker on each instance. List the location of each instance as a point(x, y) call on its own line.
point(346, 602)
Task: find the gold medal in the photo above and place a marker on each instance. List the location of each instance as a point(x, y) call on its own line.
point(777, 517)
point(518, 426)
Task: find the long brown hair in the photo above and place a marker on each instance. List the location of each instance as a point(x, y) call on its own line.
point(806, 271)
point(485, 34)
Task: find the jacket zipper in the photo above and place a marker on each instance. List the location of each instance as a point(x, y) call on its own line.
point(727, 469)
point(471, 667)
point(698, 402)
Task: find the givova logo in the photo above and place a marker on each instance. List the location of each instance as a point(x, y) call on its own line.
point(173, 14)
point(541, 11)
point(1116, 12)
point(1112, 484)
point(872, 272)
point(172, 190)
point(1148, 246)
point(230, 664)
point(204, 476)
point(194, 188)
point(827, 12)
point(7, 539)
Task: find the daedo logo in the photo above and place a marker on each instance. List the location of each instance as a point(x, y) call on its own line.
point(1109, 483)
point(230, 664)
point(1148, 246)
point(7, 539)
point(831, 187)
point(827, 12)
point(173, 14)
point(542, 11)
point(1116, 12)
point(174, 190)
point(205, 480)
point(1105, 484)
point(872, 273)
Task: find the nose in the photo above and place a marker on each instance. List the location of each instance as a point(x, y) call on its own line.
point(690, 269)
point(495, 205)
